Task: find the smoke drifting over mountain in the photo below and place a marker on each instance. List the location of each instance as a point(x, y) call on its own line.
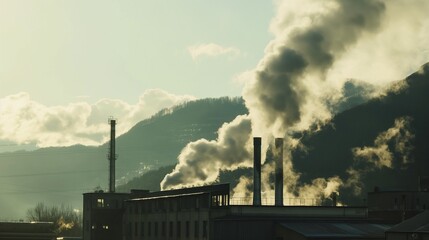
point(395, 141)
point(298, 77)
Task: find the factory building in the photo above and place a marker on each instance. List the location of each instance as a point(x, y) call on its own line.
point(102, 215)
point(396, 205)
point(27, 231)
point(415, 228)
point(206, 213)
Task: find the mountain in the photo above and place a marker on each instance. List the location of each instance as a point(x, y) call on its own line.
point(328, 152)
point(61, 174)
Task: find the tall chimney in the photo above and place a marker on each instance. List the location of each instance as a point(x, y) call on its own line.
point(112, 156)
point(256, 171)
point(279, 171)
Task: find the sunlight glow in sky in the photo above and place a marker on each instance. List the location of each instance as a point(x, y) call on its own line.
point(59, 51)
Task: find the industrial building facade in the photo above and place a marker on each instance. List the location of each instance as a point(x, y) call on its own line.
point(175, 214)
point(205, 213)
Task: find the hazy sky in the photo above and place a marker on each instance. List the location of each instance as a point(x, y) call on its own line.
point(62, 50)
point(67, 65)
point(68, 61)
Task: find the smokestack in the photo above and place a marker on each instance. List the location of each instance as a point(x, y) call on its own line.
point(334, 199)
point(279, 172)
point(256, 171)
point(112, 156)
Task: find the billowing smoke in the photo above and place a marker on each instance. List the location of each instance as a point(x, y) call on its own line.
point(286, 94)
point(283, 96)
point(316, 47)
point(201, 161)
point(390, 145)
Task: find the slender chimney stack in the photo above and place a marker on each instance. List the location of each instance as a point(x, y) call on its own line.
point(279, 171)
point(112, 155)
point(256, 171)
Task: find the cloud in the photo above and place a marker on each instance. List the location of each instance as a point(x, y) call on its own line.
point(211, 50)
point(25, 121)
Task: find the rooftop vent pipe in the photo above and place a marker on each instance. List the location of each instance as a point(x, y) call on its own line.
point(256, 171)
point(278, 155)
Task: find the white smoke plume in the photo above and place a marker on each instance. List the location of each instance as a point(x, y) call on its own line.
point(201, 161)
point(25, 121)
point(395, 141)
point(286, 94)
point(318, 45)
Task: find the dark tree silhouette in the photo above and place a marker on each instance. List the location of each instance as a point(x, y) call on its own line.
point(67, 221)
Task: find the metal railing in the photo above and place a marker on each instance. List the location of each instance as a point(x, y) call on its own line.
point(271, 201)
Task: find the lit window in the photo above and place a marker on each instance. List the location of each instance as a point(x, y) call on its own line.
point(100, 202)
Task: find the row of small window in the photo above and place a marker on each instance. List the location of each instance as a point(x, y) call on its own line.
point(159, 229)
point(163, 205)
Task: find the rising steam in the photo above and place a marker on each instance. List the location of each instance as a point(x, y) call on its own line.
point(281, 97)
point(394, 141)
point(288, 92)
point(201, 161)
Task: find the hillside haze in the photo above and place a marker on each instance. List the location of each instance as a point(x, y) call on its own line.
point(61, 175)
point(328, 152)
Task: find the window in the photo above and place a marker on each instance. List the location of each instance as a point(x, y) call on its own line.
point(149, 228)
point(178, 233)
point(171, 205)
point(100, 202)
point(204, 229)
point(156, 229)
point(142, 229)
point(197, 202)
point(163, 230)
point(170, 230)
point(106, 227)
point(187, 229)
point(196, 229)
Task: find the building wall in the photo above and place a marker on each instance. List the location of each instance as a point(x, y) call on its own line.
point(243, 229)
point(397, 205)
point(26, 230)
point(102, 217)
point(397, 200)
point(406, 236)
point(181, 217)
